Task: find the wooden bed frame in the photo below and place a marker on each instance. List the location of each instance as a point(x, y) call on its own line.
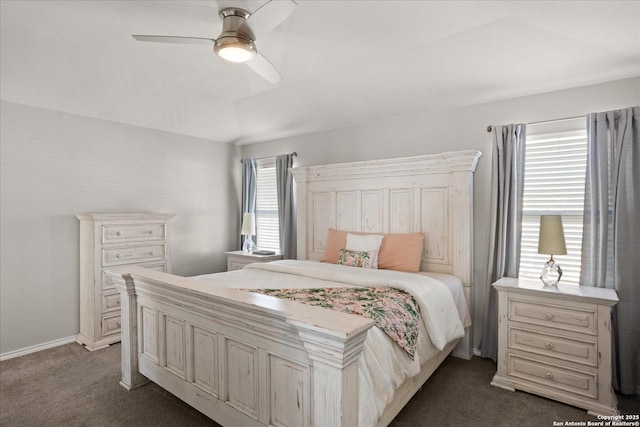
point(246, 359)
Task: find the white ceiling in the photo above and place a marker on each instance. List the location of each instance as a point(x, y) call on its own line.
point(343, 62)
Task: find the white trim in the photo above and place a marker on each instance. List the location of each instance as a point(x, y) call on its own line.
point(36, 348)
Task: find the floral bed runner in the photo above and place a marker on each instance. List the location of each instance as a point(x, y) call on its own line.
point(392, 310)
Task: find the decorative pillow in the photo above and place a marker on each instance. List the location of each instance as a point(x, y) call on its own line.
point(401, 252)
point(364, 259)
point(336, 240)
point(364, 242)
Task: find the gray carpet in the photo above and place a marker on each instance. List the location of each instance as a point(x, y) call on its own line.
point(69, 386)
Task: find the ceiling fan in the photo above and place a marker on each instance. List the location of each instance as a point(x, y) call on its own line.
point(240, 29)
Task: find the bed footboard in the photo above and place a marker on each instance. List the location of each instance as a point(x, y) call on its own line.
point(241, 358)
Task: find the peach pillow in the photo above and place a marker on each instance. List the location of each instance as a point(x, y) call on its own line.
point(336, 240)
point(402, 252)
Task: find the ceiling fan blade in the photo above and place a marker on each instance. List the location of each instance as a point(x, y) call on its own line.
point(267, 17)
point(264, 68)
point(173, 39)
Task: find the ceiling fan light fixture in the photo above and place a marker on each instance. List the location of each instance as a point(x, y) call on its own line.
point(235, 49)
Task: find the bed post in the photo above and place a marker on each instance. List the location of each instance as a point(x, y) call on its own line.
point(301, 183)
point(335, 373)
point(462, 166)
point(131, 378)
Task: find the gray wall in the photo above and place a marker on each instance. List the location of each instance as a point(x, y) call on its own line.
point(55, 165)
point(458, 129)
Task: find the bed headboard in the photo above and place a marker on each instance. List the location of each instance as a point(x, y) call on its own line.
point(429, 193)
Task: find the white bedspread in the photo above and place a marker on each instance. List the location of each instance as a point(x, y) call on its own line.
point(383, 365)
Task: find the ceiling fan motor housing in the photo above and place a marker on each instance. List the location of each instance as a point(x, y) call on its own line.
point(235, 44)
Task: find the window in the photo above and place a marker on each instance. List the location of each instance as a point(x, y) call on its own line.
point(267, 226)
point(554, 181)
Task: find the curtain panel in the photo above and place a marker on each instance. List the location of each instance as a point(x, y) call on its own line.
point(611, 232)
point(286, 206)
point(507, 185)
point(249, 178)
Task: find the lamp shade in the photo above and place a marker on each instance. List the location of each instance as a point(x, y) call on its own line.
point(551, 240)
point(248, 224)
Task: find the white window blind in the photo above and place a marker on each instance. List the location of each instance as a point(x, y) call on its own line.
point(267, 227)
point(554, 181)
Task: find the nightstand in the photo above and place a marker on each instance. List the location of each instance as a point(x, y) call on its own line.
point(236, 260)
point(556, 343)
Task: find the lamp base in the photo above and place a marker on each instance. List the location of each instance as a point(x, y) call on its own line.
point(551, 273)
point(248, 246)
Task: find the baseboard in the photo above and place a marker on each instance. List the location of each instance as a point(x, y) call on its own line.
point(474, 352)
point(36, 348)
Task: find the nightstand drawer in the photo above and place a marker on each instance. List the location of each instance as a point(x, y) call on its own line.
point(564, 348)
point(237, 260)
point(132, 233)
point(236, 265)
point(553, 315)
point(567, 380)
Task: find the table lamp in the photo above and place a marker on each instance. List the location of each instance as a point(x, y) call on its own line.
point(248, 230)
point(551, 242)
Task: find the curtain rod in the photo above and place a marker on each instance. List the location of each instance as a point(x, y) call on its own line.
point(294, 154)
point(490, 128)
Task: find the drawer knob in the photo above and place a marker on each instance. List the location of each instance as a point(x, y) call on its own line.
point(549, 375)
point(549, 345)
point(151, 253)
point(118, 233)
point(548, 316)
point(118, 301)
point(150, 231)
point(119, 256)
point(118, 323)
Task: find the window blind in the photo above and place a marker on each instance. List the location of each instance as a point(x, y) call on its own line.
point(554, 181)
point(267, 226)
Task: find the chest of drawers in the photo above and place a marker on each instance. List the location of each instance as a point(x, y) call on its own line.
point(556, 342)
point(107, 240)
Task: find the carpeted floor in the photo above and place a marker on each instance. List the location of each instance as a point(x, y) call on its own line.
point(69, 386)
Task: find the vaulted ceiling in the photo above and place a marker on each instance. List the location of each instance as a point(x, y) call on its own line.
point(342, 62)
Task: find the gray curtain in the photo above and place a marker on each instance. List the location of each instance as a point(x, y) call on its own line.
point(611, 234)
point(249, 177)
point(507, 184)
point(286, 206)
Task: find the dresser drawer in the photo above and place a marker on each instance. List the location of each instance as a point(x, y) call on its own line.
point(111, 324)
point(108, 283)
point(566, 380)
point(564, 348)
point(116, 256)
point(553, 315)
point(110, 302)
point(132, 233)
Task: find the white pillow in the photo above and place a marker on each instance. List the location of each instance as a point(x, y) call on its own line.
point(365, 242)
